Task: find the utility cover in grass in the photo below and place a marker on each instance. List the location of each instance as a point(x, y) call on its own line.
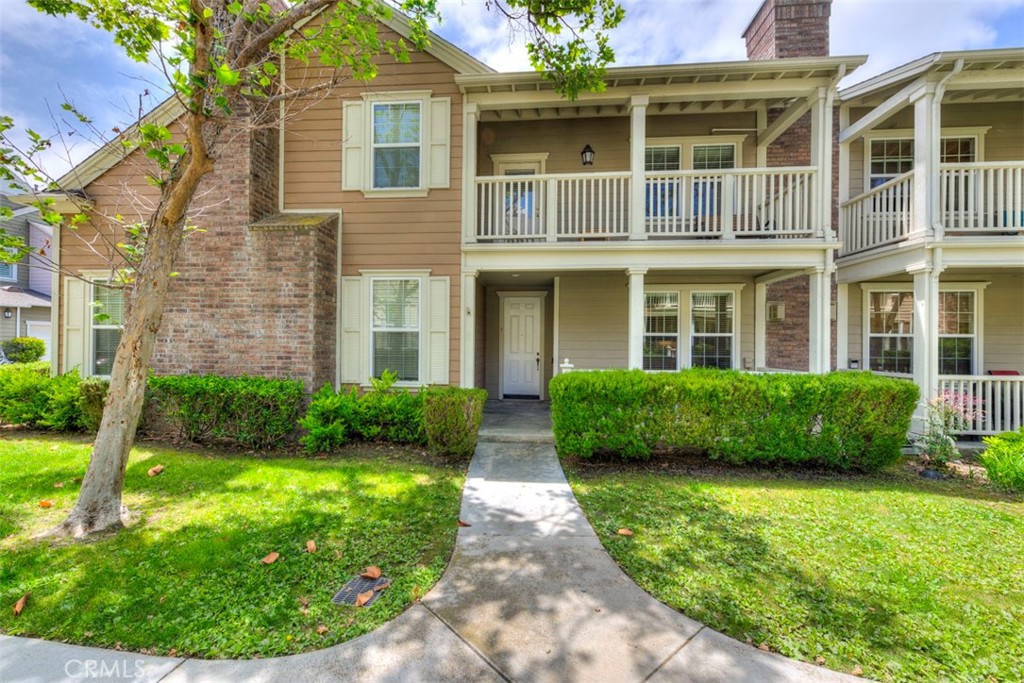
point(350, 592)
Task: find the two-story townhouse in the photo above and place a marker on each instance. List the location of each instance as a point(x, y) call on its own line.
point(931, 271)
point(456, 225)
point(25, 286)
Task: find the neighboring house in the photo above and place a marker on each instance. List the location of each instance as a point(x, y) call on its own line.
point(931, 272)
point(461, 226)
point(25, 286)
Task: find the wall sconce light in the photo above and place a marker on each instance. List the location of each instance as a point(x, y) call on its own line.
point(587, 155)
point(8, 313)
point(855, 364)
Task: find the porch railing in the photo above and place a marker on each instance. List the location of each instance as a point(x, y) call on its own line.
point(761, 202)
point(880, 216)
point(997, 402)
point(982, 197)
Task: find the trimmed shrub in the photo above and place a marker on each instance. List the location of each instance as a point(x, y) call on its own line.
point(23, 390)
point(452, 418)
point(63, 411)
point(92, 396)
point(845, 420)
point(252, 412)
point(23, 349)
point(329, 421)
point(1003, 459)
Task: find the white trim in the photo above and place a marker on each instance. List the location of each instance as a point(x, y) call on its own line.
point(520, 161)
point(540, 294)
point(555, 325)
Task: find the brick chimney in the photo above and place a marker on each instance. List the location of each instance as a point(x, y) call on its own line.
point(789, 28)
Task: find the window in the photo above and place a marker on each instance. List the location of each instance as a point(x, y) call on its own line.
point(662, 196)
point(661, 331)
point(890, 157)
point(8, 271)
point(714, 157)
point(711, 315)
point(107, 318)
point(396, 145)
point(663, 158)
point(711, 334)
point(956, 333)
point(395, 328)
point(891, 331)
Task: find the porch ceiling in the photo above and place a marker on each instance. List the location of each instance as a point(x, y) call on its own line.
point(621, 109)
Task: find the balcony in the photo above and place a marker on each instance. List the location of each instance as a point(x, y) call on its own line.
point(977, 199)
point(761, 203)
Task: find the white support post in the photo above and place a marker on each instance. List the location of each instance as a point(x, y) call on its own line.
point(923, 364)
point(816, 338)
point(819, 150)
point(637, 146)
point(470, 118)
point(842, 326)
point(844, 177)
point(636, 317)
point(762, 124)
point(926, 167)
point(825, 167)
point(760, 326)
point(556, 314)
point(551, 210)
point(728, 205)
point(467, 373)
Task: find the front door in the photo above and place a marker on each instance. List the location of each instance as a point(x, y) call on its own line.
point(521, 364)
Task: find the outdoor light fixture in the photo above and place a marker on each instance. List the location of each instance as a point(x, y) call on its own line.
point(8, 313)
point(587, 155)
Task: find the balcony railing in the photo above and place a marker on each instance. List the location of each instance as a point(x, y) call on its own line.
point(764, 202)
point(996, 402)
point(974, 199)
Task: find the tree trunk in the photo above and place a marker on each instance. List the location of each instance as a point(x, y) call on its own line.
point(99, 505)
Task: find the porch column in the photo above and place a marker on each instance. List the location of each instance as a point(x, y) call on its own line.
point(926, 155)
point(636, 317)
point(924, 362)
point(821, 158)
point(842, 326)
point(844, 180)
point(818, 337)
point(467, 371)
point(470, 118)
point(760, 325)
point(637, 146)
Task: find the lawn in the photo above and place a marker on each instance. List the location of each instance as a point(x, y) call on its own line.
point(910, 580)
point(187, 577)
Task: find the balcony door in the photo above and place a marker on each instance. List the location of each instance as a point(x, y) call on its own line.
point(522, 195)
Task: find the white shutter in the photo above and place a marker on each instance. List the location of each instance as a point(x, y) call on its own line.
point(439, 140)
point(76, 309)
point(353, 145)
point(353, 326)
point(436, 330)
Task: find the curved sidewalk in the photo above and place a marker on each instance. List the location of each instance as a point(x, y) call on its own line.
point(530, 595)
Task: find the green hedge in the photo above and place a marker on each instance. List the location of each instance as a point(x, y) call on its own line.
point(847, 420)
point(396, 415)
point(1003, 459)
point(452, 418)
point(252, 412)
point(23, 349)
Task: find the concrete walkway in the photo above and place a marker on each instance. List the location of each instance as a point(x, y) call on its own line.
point(530, 595)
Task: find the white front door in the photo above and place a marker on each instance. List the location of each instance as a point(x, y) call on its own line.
point(521, 364)
point(40, 330)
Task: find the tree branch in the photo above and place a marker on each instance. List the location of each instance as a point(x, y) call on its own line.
point(284, 23)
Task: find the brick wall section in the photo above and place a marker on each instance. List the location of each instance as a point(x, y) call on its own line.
point(251, 301)
point(789, 28)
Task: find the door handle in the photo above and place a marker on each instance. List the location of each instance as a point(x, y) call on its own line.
point(538, 362)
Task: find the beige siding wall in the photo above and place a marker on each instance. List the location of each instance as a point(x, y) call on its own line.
point(563, 139)
point(380, 233)
point(1003, 142)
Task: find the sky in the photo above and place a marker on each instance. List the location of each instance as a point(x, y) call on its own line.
point(45, 61)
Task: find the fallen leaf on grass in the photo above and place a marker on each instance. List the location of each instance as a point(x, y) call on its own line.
point(763, 647)
point(153, 471)
point(363, 598)
point(310, 546)
point(624, 532)
point(271, 558)
point(819, 660)
point(58, 484)
point(379, 588)
point(461, 523)
point(371, 572)
point(304, 601)
point(321, 629)
point(46, 503)
point(20, 605)
point(857, 671)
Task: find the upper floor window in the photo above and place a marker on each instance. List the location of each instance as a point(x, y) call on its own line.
point(8, 272)
point(714, 157)
point(396, 145)
point(890, 157)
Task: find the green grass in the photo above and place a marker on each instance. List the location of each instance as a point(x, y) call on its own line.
point(909, 579)
point(187, 575)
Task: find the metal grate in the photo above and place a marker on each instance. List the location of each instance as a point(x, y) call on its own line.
point(348, 593)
